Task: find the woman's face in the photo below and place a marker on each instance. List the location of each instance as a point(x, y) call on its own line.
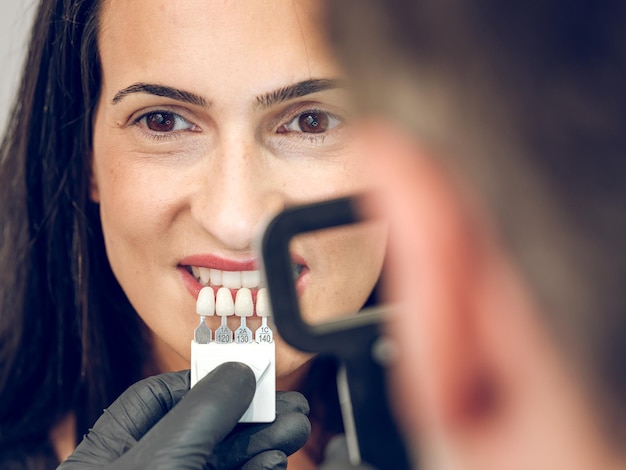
point(213, 117)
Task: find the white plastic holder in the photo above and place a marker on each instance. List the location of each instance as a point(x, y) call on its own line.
point(260, 357)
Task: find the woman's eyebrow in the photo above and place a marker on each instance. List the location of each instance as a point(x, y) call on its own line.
point(265, 100)
point(297, 90)
point(161, 90)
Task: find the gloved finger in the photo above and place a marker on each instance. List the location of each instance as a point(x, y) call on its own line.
point(269, 460)
point(287, 433)
point(187, 435)
point(129, 418)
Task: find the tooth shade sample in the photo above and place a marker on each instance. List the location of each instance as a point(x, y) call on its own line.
point(224, 305)
point(243, 303)
point(231, 279)
point(204, 275)
point(250, 278)
point(205, 305)
point(262, 303)
point(215, 276)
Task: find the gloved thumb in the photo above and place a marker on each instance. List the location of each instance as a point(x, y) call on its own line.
point(147, 426)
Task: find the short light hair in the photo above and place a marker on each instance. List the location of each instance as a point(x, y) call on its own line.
point(527, 102)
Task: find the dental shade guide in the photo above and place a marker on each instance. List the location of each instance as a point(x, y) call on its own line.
point(257, 353)
point(224, 307)
point(205, 306)
point(263, 334)
point(244, 307)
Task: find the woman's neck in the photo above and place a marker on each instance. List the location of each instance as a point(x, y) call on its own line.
point(63, 437)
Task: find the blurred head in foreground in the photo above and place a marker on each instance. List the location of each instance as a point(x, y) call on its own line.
point(497, 132)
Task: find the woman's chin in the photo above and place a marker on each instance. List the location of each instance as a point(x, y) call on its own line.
point(291, 367)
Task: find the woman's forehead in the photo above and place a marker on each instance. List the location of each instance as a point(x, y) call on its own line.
point(214, 47)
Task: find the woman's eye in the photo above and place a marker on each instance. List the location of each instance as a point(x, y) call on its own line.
point(310, 122)
point(162, 121)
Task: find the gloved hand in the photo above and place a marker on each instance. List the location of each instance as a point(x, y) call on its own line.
point(159, 423)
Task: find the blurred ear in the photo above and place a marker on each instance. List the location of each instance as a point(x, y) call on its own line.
point(441, 258)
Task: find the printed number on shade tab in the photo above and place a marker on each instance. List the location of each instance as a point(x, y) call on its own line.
point(258, 352)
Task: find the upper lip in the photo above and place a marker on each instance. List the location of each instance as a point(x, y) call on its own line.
point(223, 264)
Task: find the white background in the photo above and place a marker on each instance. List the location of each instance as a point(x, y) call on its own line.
point(15, 22)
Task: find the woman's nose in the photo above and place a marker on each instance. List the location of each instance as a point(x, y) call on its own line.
point(238, 194)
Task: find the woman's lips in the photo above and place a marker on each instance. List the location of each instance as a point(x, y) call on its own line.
point(223, 264)
point(199, 271)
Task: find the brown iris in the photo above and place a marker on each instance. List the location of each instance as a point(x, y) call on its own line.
point(314, 123)
point(161, 122)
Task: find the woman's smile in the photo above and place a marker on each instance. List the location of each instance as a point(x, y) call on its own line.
point(204, 276)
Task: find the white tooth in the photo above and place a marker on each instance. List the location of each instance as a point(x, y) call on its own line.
point(224, 305)
point(206, 302)
point(216, 277)
point(204, 275)
point(231, 279)
point(250, 278)
point(262, 303)
point(196, 272)
point(243, 303)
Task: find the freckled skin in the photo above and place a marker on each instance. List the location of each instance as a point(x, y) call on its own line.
point(175, 179)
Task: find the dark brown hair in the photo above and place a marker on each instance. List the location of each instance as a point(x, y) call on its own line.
point(69, 339)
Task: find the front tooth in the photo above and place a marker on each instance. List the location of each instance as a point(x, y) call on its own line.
point(262, 303)
point(243, 303)
point(205, 304)
point(250, 278)
point(196, 272)
point(224, 305)
point(216, 277)
point(204, 275)
point(231, 279)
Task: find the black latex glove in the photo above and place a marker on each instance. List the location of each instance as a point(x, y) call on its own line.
point(147, 427)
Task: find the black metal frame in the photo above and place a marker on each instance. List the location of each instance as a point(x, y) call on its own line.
point(350, 339)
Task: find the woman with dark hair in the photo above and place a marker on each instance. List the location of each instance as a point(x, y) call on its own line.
point(147, 144)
